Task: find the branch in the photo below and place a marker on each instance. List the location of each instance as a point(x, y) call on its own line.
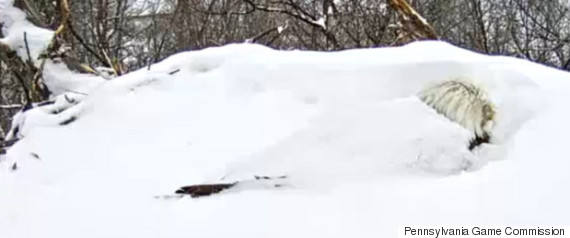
point(163, 37)
point(39, 89)
point(7, 143)
point(308, 19)
point(11, 106)
point(24, 87)
point(415, 25)
point(34, 13)
point(265, 33)
point(201, 190)
point(27, 47)
point(82, 42)
point(65, 17)
point(222, 13)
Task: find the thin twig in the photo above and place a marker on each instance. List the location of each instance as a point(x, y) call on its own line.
point(300, 15)
point(110, 62)
point(11, 106)
point(26, 89)
point(82, 42)
point(27, 47)
point(163, 38)
point(264, 33)
point(34, 13)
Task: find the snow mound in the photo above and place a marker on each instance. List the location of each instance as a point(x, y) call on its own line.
point(362, 154)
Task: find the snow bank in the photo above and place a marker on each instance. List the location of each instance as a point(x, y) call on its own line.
point(363, 155)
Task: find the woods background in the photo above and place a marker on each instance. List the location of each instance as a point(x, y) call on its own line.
point(117, 36)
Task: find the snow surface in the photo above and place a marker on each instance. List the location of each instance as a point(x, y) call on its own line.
point(362, 154)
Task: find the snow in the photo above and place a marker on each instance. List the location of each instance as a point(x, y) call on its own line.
point(145, 7)
point(321, 22)
point(59, 79)
point(362, 153)
point(18, 31)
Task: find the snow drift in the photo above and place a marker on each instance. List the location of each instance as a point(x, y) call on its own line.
point(362, 153)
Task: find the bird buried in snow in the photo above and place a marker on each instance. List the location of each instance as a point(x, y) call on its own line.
point(465, 103)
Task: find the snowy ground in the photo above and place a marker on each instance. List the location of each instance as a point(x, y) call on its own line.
point(362, 153)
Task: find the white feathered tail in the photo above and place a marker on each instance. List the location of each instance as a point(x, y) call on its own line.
point(465, 103)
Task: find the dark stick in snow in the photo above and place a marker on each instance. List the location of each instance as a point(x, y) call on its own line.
point(36, 156)
point(68, 121)
point(201, 190)
point(204, 189)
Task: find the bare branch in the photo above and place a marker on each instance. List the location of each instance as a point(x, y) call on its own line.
point(416, 26)
point(11, 106)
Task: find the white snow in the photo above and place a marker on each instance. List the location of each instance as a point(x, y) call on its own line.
point(321, 22)
point(21, 35)
point(362, 154)
point(59, 79)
